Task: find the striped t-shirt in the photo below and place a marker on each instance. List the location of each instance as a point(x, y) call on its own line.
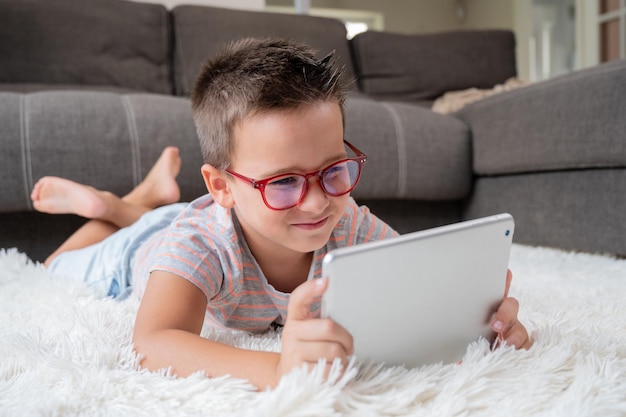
point(205, 246)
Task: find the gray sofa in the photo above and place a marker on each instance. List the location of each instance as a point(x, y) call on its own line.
point(93, 90)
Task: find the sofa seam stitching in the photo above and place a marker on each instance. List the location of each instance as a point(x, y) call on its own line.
point(402, 154)
point(134, 140)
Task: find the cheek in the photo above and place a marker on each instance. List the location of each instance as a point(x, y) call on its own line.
point(339, 204)
point(247, 199)
point(257, 214)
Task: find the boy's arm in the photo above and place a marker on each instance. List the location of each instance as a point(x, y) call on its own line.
point(167, 334)
point(170, 319)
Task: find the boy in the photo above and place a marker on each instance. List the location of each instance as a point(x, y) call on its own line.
point(248, 254)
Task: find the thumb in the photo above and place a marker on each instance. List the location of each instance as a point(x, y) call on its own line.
point(303, 296)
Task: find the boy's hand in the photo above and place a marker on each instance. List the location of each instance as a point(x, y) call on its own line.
point(306, 339)
point(505, 322)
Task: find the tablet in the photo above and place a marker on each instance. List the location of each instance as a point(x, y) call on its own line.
point(423, 297)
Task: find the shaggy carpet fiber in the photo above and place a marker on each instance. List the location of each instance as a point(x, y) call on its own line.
point(65, 352)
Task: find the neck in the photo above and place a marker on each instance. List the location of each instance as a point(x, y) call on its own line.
point(284, 268)
point(285, 273)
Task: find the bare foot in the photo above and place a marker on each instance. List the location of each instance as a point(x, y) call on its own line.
point(160, 186)
point(61, 196)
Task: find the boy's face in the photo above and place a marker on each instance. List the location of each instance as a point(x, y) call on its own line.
point(303, 140)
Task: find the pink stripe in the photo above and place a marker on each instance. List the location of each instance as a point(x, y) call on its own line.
point(352, 226)
point(252, 319)
point(183, 275)
point(256, 306)
point(209, 279)
point(371, 231)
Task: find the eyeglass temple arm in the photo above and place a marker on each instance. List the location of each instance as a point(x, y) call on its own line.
point(356, 151)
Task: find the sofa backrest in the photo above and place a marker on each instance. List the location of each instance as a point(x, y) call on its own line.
point(200, 32)
point(97, 42)
point(425, 66)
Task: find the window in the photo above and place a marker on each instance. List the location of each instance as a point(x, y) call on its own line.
point(356, 21)
point(612, 29)
point(354, 28)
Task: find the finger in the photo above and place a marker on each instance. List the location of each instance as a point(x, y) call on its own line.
point(312, 352)
point(517, 336)
point(321, 330)
point(303, 296)
point(509, 278)
point(506, 316)
point(328, 366)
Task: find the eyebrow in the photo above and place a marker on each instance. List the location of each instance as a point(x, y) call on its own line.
point(297, 170)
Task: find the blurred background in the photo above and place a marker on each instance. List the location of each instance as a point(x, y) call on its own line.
point(553, 36)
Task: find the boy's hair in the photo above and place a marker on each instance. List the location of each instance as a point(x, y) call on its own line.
point(252, 76)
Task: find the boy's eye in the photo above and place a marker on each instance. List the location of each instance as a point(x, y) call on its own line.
point(334, 171)
point(285, 182)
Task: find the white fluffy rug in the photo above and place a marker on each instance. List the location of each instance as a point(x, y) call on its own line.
point(64, 352)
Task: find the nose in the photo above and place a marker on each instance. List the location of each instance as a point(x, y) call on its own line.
point(315, 200)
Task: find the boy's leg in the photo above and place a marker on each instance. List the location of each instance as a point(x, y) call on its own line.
point(108, 212)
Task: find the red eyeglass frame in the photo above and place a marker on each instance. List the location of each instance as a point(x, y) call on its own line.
point(360, 158)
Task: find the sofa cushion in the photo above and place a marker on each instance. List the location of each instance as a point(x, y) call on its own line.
point(582, 210)
point(200, 32)
point(423, 67)
point(110, 140)
point(575, 121)
point(413, 153)
point(97, 42)
point(102, 139)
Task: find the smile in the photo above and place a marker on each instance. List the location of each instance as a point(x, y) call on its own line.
point(312, 225)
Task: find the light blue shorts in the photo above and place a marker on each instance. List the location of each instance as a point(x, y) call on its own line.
point(107, 266)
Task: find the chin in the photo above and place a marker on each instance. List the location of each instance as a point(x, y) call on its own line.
point(306, 241)
point(310, 243)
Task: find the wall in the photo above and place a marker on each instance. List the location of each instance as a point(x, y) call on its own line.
point(489, 14)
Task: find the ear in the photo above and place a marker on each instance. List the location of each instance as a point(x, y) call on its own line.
point(217, 185)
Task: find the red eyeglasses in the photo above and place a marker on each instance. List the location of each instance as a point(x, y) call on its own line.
point(284, 191)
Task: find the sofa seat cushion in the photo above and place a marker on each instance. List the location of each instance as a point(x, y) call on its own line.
point(97, 42)
point(106, 140)
point(423, 67)
point(575, 121)
point(413, 153)
point(200, 32)
point(575, 210)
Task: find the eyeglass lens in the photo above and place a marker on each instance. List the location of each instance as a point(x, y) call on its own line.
point(337, 179)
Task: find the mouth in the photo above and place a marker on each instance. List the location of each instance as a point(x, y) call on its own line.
point(312, 225)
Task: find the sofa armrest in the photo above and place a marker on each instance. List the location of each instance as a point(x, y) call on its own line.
point(575, 121)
